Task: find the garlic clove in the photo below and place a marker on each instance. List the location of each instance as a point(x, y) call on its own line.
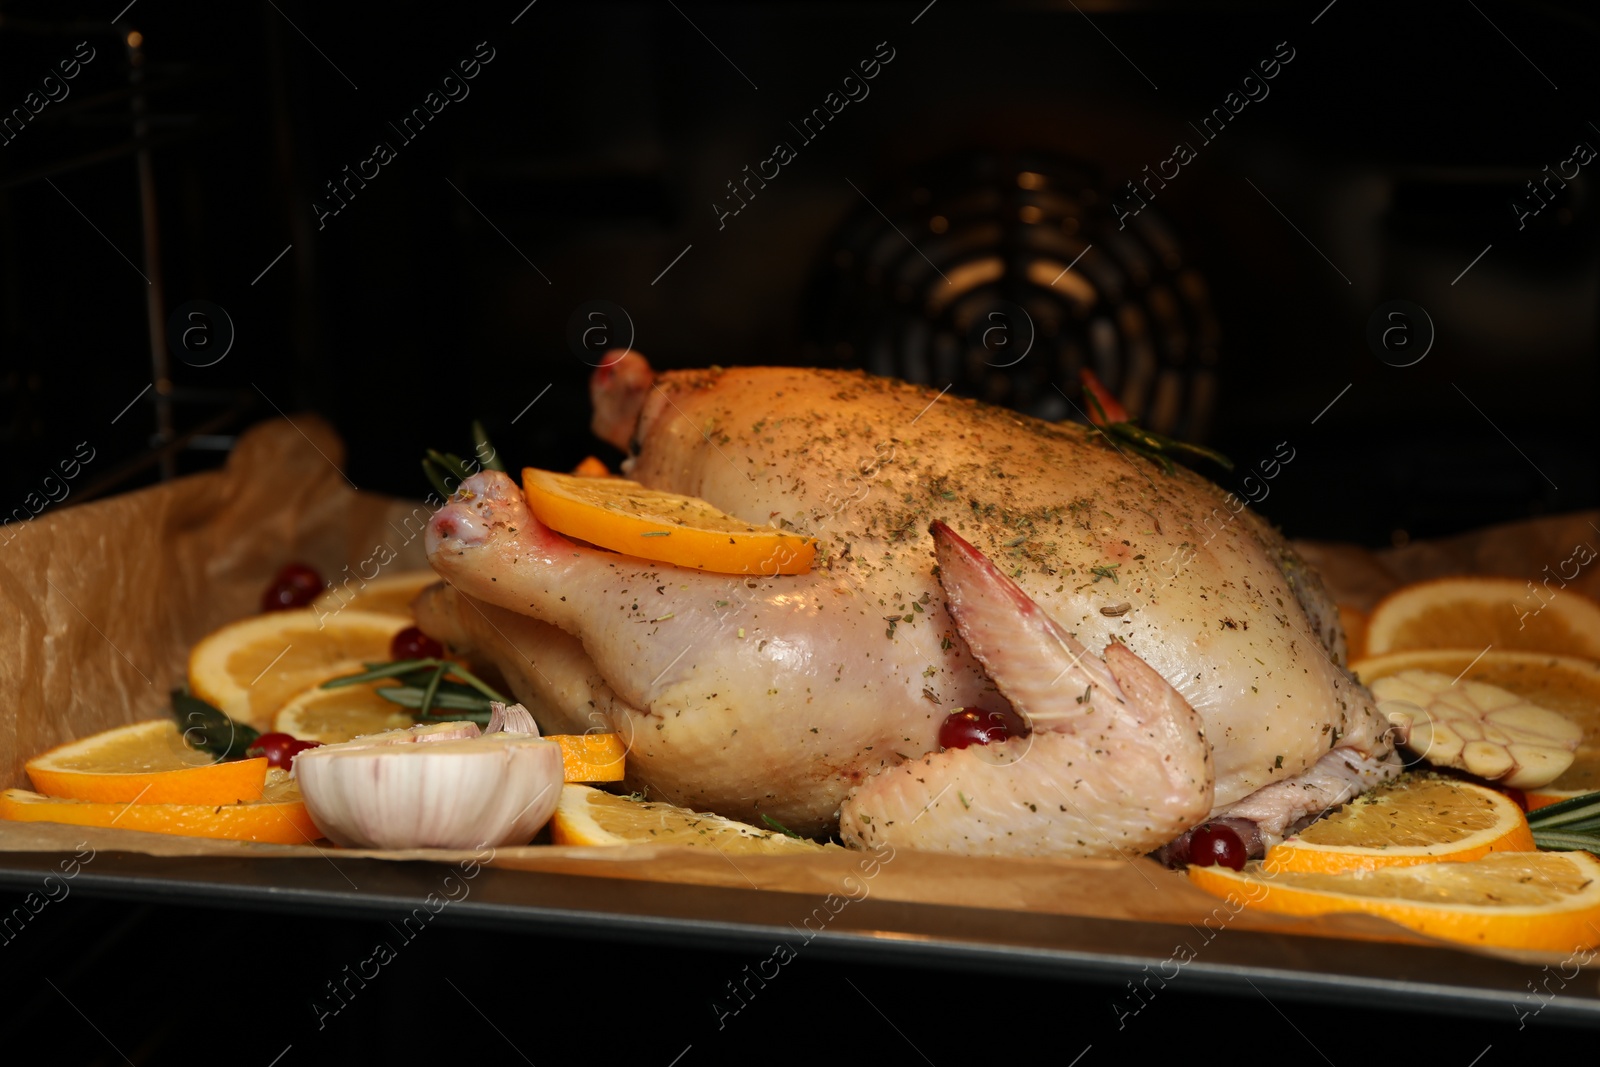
point(514, 719)
point(1480, 728)
point(457, 793)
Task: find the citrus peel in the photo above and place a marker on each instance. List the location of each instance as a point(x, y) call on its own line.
point(146, 763)
point(1521, 900)
point(278, 817)
point(589, 816)
point(627, 517)
point(1415, 819)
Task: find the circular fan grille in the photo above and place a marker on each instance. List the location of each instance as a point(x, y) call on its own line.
point(1002, 277)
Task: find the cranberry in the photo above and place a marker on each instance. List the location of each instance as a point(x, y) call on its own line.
point(1216, 844)
point(975, 726)
point(412, 643)
point(1515, 794)
point(295, 586)
point(280, 749)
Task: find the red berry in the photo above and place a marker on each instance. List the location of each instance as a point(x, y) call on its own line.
point(280, 749)
point(412, 643)
point(975, 726)
point(1215, 844)
point(1515, 794)
point(295, 586)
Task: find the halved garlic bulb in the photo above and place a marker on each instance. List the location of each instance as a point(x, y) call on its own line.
point(437, 786)
point(1478, 728)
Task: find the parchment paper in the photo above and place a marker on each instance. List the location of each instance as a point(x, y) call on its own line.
point(103, 601)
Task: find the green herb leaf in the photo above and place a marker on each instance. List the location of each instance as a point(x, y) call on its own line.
point(410, 696)
point(485, 451)
point(1574, 810)
point(430, 690)
point(778, 826)
point(415, 673)
point(450, 463)
point(1093, 400)
point(1147, 443)
point(435, 476)
point(375, 671)
point(210, 729)
point(1561, 841)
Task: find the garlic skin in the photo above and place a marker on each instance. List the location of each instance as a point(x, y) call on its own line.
point(463, 792)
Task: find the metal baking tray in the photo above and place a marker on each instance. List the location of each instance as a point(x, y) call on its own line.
point(1327, 971)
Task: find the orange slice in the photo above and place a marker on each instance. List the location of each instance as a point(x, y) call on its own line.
point(390, 594)
point(591, 757)
point(589, 816)
point(1543, 798)
point(1508, 614)
point(591, 468)
point(1567, 685)
point(332, 716)
point(1528, 900)
point(1414, 819)
point(147, 763)
point(252, 668)
point(626, 517)
point(1354, 621)
point(279, 816)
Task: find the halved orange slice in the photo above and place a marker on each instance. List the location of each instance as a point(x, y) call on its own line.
point(626, 517)
point(147, 763)
point(1474, 613)
point(1528, 900)
point(252, 668)
point(1415, 819)
point(331, 716)
point(390, 594)
point(279, 816)
point(589, 816)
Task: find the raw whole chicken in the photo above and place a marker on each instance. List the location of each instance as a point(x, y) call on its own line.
point(1172, 658)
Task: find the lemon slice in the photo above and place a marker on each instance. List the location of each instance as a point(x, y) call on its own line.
point(626, 517)
point(589, 816)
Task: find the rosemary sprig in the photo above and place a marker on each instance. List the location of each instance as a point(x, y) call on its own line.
point(485, 451)
point(423, 686)
point(1570, 825)
point(1153, 446)
point(778, 826)
point(410, 696)
point(401, 667)
point(430, 691)
point(440, 467)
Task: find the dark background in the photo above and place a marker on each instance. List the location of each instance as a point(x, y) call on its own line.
point(588, 156)
point(594, 144)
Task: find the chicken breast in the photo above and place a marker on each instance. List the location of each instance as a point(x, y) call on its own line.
point(1163, 608)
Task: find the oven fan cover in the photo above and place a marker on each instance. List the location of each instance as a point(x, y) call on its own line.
point(1002, 276)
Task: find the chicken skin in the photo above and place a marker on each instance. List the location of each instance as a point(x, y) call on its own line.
point(1169, 653)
